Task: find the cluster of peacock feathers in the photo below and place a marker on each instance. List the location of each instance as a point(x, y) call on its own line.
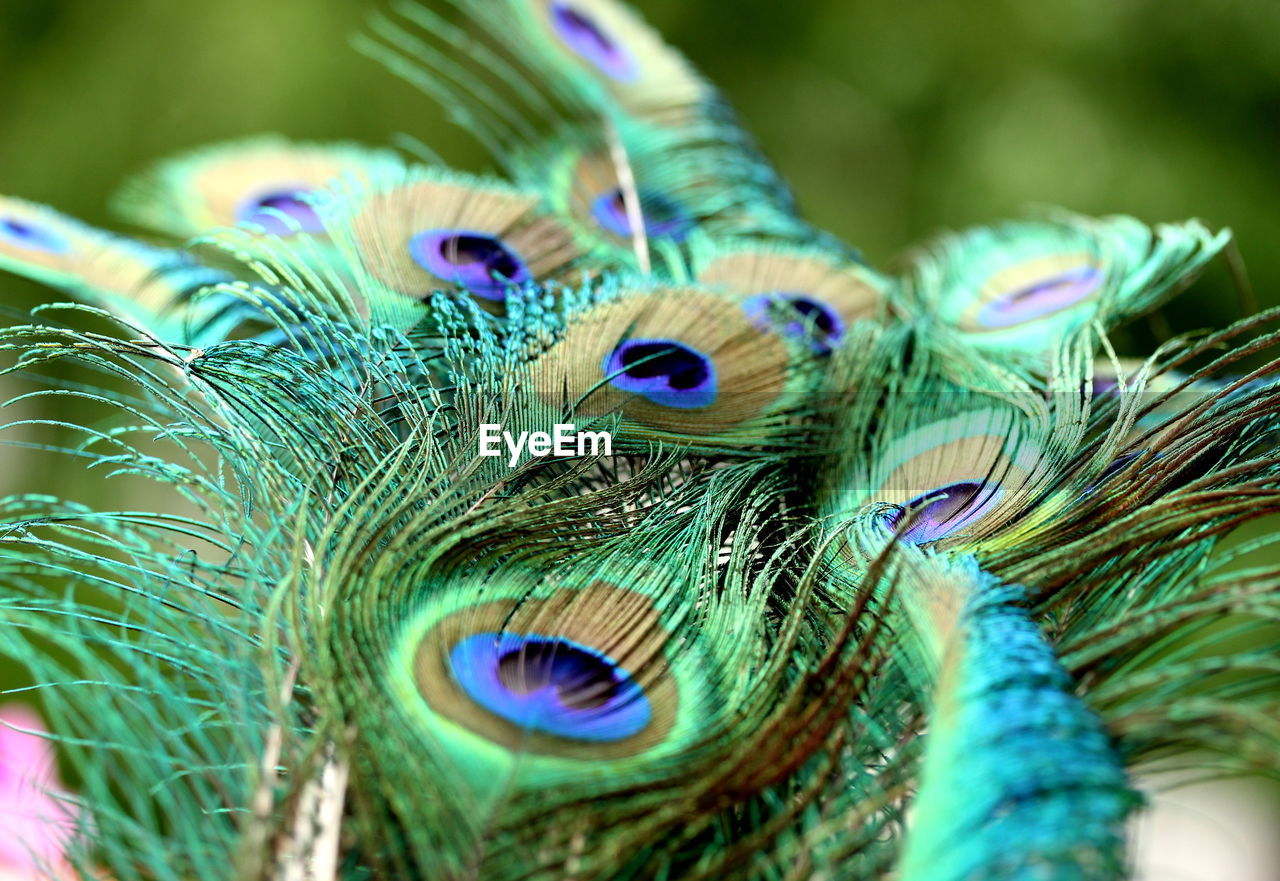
point(886, 575)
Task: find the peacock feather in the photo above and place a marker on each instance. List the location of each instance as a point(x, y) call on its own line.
point(606, 519)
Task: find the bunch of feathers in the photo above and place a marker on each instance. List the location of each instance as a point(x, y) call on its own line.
point(887, 575)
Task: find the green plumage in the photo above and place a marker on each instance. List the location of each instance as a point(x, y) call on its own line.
point(881, 576)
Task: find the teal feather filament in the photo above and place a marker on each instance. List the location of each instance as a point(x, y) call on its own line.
point(1019, 780)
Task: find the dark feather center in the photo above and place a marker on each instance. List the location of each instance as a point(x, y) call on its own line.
point(582, 680)
point(17, 228)
point(292, 204)
point(581, 29)
point(468, 250)
point(29, 235)
point(818, 313)
point(951, 505)
point(683, 367)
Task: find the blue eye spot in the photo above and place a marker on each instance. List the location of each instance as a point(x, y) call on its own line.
point(266, 211)
point(942, 511)
point(816, 321)
point(663, 371)
point(663, 219)
point(581, 34)
point(551, 685)
point(1041, 298)
point(476, 261)
point(31, 237)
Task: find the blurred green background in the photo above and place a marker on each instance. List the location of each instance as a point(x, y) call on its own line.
point(893, 120)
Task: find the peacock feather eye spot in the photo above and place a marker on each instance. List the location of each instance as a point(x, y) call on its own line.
point(585, 37)
point(823, 318)
point(266, 211)
point(551, 685)
point(940, 512)
point(32, 237)
point(1041, 297)
point(476, 261)
point(582, 680)
point(663, 219)
point(821, 325)
point(664, 371)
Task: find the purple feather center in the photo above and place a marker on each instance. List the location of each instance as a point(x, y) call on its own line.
point(281, 212)
point(552, 685)
point(28, 235)
point(581, 34)
point(942, 511)
point(476, 261)
point(663, 219)
point(1041, 298)
point(817, 322)
point(664, 371)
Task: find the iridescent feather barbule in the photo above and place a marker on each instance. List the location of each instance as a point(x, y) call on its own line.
point(896, 576)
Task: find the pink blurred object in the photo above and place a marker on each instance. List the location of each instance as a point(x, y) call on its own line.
point(35, 826)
